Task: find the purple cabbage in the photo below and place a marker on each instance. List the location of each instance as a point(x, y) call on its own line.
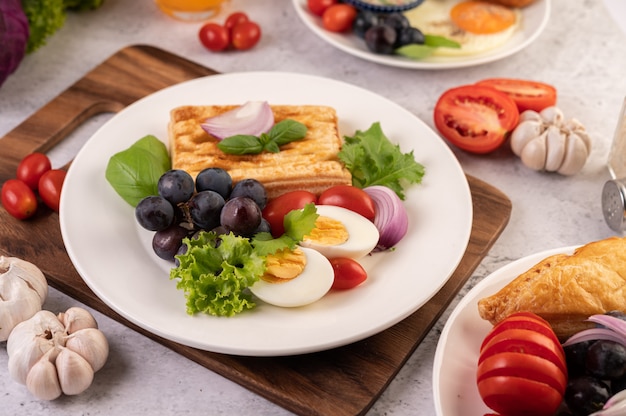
point(13, 37)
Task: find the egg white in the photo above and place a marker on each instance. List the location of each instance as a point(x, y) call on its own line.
point(363, 234)
point(309, 286)
point(433, 17)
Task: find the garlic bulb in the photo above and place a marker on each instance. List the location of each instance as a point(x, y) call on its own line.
point(23, 290)
point(54, 355)
point(547, 141)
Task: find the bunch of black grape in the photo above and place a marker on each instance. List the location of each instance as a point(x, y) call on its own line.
point(211, 202)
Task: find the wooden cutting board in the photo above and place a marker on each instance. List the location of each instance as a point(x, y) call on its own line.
point(342, 381)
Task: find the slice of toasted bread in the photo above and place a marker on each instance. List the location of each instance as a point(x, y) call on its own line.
point(308, 164)
point(566, 289)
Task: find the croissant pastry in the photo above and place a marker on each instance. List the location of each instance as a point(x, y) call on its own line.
point(566, 289)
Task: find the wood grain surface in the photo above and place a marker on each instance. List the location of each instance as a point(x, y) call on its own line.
point(341, 381)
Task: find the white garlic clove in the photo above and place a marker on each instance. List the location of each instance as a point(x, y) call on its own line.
point(534, 153)
point(23, 289)
point(575, 155)
point(92, 345)
point(555, 144)
point(75, 373)
point(524, 133)
point(42, 380)
point(530, 115)
point(552, 115)
point(76, 318)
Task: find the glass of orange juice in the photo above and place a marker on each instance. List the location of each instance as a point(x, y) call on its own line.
point(190, 10)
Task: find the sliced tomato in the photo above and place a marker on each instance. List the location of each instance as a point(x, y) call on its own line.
point(475, 118)
point(276, 208)
point(522, 321)
point(532, 367)
point(349, 197)
point(527, 342)
point(516, 396)
point(528, 95)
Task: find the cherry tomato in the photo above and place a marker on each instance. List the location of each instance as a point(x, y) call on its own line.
point(276, 208)
point(18, 199)
point(528, 95)
point(234, 19)
point(32, 167)
point(348, 273)
point(245, 35)
point(349, 197)
point(522, 358)
point(214, 37)
point(50, 186)
point(339, 17)
point(475, 118)
point(318, 7)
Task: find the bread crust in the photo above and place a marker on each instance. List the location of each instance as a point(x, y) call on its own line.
point(309, 164)
point(566, 289)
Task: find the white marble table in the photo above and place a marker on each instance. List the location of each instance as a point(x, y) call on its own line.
point(581, 52)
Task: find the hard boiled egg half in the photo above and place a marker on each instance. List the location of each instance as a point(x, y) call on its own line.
point(478, 26)
point(340, 232)
point(294, 278)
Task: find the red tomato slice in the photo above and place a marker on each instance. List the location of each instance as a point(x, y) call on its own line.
point(349, 197)
point(276, 208)
point(528, 95)
point(475, 118)
point(348, 273)
point(527, 342)
point(515, 364)
point(520, 321)
point(514, 396)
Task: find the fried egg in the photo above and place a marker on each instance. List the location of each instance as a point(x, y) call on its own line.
point(477, 26)
point(295, 278)
point(340, 232)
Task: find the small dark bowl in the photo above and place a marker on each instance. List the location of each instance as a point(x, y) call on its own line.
point(385, 6)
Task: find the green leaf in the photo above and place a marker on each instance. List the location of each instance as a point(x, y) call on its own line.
point(374, 160)
point(415, 51)
point(300, 222)
point(440, 42)
point(241, 144)
point(287, 131)
point(134, 173)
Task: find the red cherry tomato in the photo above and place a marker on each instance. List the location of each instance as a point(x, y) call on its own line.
point(245, 35)
point(50, 186)
point(348, 273)
point(32, 167)
point(18, 199)
point(521, 358)
point(339, 17)
point(528, 95)
point(318, 7)
point(475, 118)
point(349, 197)
point(214, 37)
point(276, 208)
point(234, 19)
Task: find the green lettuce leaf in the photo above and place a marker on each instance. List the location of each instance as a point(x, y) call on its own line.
point(374, 160)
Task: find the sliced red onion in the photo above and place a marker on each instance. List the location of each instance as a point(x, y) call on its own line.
point(615, 330)
point(252, 118)
point(391, 217)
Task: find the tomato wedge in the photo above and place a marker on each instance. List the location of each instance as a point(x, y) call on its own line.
point(528, 95)
point(522, 320)
point(516, 396)
point(475, 118)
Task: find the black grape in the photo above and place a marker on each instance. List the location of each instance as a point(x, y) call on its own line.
point(154, 213)
point(167, 243)
point(252, 189)
point(241, 215)
point(214, 179)
point(176, 186)
point(205, 208)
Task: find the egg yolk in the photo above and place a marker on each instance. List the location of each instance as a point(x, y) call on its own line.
point(481, 17)
point(284, 265)
point(328, 232)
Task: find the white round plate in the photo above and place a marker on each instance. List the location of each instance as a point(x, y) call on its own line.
point(534, 19)
point(113, 255)
point(454, 369)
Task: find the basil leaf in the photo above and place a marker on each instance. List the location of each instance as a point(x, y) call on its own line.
point(287, 131)
point(241, 144)
point(415, 51)
point(134, 173)
point(271, 147)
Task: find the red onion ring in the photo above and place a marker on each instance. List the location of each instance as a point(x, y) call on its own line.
point(252, 118)
point(391, 217)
